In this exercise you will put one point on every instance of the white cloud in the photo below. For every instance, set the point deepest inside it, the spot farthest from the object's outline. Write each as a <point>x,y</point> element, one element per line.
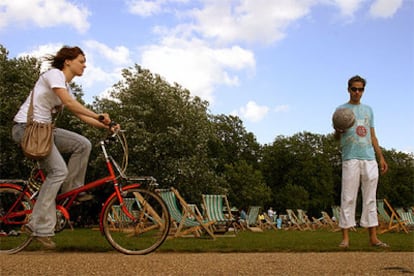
<point>252,112</point>
<point>384,8</point>
<point>99,74</point>
<point>144,7</point>
<point>348,7</point>
<point>199,52</point>
<point>120,55</point>
<point>188,56</point>
<point>250,20</point>
<point>195,65</point>
<point>95,75</point>
<point>43,13</point>
<point>41,51</point>
<point>147,8</point>
<point>103,66</point>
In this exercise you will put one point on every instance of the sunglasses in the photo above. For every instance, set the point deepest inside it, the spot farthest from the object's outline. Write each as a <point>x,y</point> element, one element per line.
<point>355,89</point>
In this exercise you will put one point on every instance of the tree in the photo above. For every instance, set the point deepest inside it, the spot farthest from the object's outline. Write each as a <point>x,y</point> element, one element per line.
<point>168,132</point>
<point>293,197</point>
<point>18,75</point>
<point>299,166</point>
<point>237,154</point>
<point>397,184</point>
<point>232,143</point>
<point>247,186</point>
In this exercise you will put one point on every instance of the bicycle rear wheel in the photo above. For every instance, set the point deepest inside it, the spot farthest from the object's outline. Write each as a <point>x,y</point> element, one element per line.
<point>15,209</point>
<point>143,234</point>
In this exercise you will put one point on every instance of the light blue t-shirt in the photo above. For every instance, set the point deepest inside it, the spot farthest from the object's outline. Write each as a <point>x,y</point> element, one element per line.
<point>356,141</point>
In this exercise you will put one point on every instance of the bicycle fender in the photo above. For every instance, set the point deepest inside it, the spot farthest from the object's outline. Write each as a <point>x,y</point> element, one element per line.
<point>12,181</point>
<point>11,185</point>
<point>101,216</point>
<point>63,211</point>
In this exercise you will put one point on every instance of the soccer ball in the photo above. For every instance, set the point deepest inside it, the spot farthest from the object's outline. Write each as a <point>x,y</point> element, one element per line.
<point>343,118</point>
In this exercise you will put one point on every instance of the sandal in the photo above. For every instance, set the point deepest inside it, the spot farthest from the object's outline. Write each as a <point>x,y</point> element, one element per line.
<point>380,244</point>
<point>344,245</point>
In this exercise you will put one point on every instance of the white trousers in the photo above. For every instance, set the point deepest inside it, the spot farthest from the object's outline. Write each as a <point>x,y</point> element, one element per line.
<point>354,173</point>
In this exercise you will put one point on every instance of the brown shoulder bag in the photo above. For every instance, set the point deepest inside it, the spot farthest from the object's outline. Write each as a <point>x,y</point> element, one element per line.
<point>38,137</point>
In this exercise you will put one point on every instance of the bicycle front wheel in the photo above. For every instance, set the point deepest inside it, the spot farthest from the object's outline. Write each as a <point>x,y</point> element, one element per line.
<point>15,209</point>
<point>145,231</point>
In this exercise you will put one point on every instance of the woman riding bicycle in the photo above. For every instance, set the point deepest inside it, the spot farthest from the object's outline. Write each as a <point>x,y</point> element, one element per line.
<point>52,92</point>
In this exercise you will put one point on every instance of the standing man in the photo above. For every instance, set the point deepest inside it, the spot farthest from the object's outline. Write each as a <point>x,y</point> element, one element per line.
<point>360,148</point>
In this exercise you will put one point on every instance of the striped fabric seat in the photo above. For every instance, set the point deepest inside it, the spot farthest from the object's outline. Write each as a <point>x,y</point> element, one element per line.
<point>217,208</point>
<point>185,220</point>
<point>406,216</point>
<point>389,222</point>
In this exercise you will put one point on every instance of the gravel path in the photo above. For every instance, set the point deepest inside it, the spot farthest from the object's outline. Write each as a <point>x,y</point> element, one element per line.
<point>114,263</point>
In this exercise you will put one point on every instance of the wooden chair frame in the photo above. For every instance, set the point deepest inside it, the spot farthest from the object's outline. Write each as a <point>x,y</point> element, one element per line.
<point>185,219</point>
<point>389,222</point>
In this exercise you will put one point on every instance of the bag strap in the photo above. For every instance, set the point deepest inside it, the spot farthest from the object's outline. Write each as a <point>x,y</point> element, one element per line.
<point>30,111</point>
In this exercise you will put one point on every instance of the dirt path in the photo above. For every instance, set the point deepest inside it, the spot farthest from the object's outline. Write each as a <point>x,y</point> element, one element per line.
<point>347,263</point>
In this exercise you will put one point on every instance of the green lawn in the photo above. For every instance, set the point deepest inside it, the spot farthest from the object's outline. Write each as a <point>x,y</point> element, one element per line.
<point>88,240</point>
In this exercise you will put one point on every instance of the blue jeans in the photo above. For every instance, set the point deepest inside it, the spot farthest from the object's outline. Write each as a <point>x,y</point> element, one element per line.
<point>58,175</point>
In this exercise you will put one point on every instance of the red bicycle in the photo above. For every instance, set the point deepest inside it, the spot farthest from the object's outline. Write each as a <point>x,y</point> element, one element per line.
<point>134,219</point>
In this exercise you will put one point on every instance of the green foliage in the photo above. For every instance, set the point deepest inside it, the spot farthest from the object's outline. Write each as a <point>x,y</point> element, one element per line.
<point>300,172</point>
<point>247,185</point>
<point>293,196</point>
<point>397,185</point>
<point>236,153</point>
<point>17,78</point>
<point>232,143</point>
<point>168,132</point>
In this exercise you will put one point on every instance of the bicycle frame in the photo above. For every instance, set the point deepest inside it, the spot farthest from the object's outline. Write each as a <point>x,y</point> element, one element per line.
<point>66,200</point>
<point>134,219</point>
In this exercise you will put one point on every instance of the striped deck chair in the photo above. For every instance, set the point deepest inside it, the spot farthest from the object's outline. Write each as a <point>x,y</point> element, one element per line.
<point>389,222</point>
<point>268,223</point>
<point>333,225</point>
<point>195,209</point>
<point>217,208</point>
<point>118,215</point>
<point>304,220</point>
<point>138,207</point>
<point>336,212</point>
<point>294,221</point>
<point>407,217</point>
<point>185,220</point>
<point>319,223</point>
<point>253,223</point>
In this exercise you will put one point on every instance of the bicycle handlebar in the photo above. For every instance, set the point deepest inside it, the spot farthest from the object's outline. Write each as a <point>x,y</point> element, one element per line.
<point>111,124</point>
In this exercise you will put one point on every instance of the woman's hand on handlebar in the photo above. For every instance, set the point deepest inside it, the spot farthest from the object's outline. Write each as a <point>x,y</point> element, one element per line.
<point>106,120</point>
<point>114,127</point>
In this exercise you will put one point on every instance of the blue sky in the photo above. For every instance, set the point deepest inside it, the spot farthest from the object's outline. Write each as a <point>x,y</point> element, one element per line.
<point>280,65</point>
